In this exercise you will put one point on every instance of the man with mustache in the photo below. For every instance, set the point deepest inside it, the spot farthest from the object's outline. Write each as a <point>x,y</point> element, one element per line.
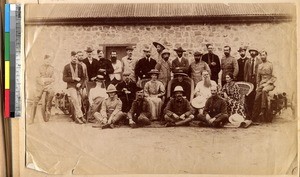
<point>164,68</point>
<point>241,62</point>
<point>105,67</point>
<point>116,76</point>
<point>250,73</point>
<point>215,111</point>
<point>178,111</point>
<point>145,65</point>
<point>140,113</point>
<point>213,62</point>
<point>196,68</point>
<point>228,65</point>
<point>129,63</point>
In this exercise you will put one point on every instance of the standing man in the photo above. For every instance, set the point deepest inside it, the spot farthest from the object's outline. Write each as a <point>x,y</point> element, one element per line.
<point>73,75</point>
<point>180,62</point>
<point>250,74</point>
<point>164,67</point>
<point>105,67</point>
<point>144,65</point>
<point>213,62</point>
<point>196,68</point>
<point>44,83</point>
<point>241,62</point>
<point>126,91</point>
<point>129,63</point>
<point>116,76</point>
<point>91,64</point>
<point>228,65</point>
<point>265,83</point>
<point>178,111</point>
<point>159,48</point>
<point>215,111</point>
<point>140,112</point>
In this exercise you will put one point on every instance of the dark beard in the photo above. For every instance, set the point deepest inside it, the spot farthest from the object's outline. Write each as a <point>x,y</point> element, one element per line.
<point>226,54</point>
<point>242,55</point>
<point>197,60</point>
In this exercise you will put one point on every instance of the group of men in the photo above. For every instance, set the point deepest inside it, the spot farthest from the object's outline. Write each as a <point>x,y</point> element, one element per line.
<point>136,90</point>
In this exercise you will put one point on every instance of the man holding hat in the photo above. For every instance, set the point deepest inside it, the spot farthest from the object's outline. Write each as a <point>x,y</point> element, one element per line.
<point>144,65</point>
<point>180,62</point>
<point>196,68</point>
<point>154,91</point>
<point>213,62</point>
<point>96,97</point>
<point>215,111</point>
<point>129,63</point>
<point>179,80</point>
<point>126,91</point>
<point>178,111</point>
<point>228,65</point>
<point>73,75</point>
<point>241,62</point>
<point>140,112</point>
<point>164,67</point>
<point>159,48</point>
<point>110,112</point>
<point>250,73</point>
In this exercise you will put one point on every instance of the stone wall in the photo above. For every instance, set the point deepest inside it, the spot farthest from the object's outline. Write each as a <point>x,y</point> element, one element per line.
<point>278,39</point>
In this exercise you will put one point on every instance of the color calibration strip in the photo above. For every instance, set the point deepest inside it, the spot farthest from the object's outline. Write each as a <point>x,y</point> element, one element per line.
<point>12,60</point>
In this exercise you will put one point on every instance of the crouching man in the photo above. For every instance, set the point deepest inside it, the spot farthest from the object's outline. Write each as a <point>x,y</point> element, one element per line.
<point>215,111</point>
<point>140,113</point>
<point>110,112</point>
<point>178,111</point>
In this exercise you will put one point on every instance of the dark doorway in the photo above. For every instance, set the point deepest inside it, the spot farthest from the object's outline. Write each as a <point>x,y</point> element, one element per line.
<point>120,49</point>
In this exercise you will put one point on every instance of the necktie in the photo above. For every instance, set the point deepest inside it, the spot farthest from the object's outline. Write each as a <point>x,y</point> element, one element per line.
<point>252,67</point>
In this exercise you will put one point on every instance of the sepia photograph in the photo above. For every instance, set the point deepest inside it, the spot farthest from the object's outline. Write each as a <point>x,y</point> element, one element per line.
<point>161,88</point>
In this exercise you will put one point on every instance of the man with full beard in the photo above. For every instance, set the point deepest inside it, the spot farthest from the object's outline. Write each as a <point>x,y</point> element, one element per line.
<point>116,76</point>
<point>241,62</point>
<point>228,65</point>
<point>197,67</point>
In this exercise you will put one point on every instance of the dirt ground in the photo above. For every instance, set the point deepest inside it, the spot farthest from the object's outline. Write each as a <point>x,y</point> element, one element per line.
<point>63,147</point>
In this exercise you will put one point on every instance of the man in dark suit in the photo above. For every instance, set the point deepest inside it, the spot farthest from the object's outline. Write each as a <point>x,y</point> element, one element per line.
<point>126,91</point>
<point>213,62</point>
<point>241,62</point>
<point>144,65</point>
<point>250,71</point>
<point>74,77</point>
<point>105,67</point>
<point>180,62</point>
<point>91,63</point>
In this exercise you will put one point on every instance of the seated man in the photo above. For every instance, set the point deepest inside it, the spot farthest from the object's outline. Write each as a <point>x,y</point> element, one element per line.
<point>110,112</point>
<point>96,97</point>
<point>140,113</point>
<point>215,111</point>
<point>126,91</point>
<point>180,81</point>
<point>202,91</point>
<point>178,111</point>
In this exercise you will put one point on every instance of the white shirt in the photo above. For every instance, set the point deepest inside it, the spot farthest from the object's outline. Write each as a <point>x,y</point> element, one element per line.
<point>203,91</point>
<point>118,68</point>
<point>97,92</point>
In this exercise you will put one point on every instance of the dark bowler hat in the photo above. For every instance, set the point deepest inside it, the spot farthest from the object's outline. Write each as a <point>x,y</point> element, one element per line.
<point>89,50</point>
<point>197,53</point>
<point>156,44</point>
<point>73,53</point>
<point>179,49</point>
<point>129,48</point>
<point>242,48</point>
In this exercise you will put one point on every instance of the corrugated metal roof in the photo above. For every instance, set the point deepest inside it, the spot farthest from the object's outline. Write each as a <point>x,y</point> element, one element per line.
<point>85,11</point>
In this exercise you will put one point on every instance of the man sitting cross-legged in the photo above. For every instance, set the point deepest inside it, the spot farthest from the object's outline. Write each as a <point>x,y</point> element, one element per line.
<point>178,110</point>
<point>140,113</point>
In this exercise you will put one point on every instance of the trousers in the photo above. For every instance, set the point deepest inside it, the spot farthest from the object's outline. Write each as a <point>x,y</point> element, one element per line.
<point>76,100</point>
